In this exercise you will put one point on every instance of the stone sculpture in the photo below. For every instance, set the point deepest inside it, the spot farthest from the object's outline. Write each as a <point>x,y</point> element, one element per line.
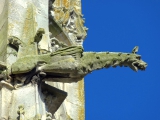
<point>43,47</point>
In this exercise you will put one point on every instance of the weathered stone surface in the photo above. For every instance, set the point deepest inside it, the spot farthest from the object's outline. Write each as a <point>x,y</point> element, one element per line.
<point>3,29</point>
<point>26,17</point>
<point>73,106</point>
<point>35,101</point>
<point>31,98</point>
<point>5,100</point>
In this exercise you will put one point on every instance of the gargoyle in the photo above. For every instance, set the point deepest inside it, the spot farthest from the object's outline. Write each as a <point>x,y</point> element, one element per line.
<point>65,64</point>
<point>71,64</point>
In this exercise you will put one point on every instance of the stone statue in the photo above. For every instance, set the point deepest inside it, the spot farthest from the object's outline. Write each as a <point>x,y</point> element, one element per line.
<point>42,58</point>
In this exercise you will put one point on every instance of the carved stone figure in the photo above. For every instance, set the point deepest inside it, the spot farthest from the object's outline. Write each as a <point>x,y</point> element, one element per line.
<point>42,59</point>
<point>71,64</point>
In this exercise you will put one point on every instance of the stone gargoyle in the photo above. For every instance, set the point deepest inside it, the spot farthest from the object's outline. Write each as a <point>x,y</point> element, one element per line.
<point>71,64</point>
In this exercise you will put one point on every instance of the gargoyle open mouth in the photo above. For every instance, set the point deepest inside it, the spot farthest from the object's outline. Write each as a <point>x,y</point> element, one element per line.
<point>138,65</point>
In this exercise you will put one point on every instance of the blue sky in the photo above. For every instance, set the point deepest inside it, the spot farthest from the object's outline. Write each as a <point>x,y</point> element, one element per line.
<point>120,93</point>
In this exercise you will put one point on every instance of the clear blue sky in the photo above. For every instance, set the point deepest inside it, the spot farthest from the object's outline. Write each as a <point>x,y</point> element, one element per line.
<point>120,93</point>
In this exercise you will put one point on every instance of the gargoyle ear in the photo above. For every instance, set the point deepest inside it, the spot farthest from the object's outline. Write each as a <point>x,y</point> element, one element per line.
<point>135,50</point>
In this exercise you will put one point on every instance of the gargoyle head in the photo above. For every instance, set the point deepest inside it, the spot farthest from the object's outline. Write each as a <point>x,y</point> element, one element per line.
<point>135,63</point>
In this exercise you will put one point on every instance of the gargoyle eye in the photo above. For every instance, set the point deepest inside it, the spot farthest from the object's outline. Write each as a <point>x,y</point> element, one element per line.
<point>138,57</point>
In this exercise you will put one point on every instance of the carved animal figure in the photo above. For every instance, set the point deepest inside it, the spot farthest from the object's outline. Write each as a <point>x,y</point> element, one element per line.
<point>71,64</point>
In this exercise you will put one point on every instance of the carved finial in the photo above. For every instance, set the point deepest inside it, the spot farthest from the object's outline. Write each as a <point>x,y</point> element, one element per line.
<point>21,112</point>
<point>39,35</point>
<point>54,44</point>
<point>135,50</point>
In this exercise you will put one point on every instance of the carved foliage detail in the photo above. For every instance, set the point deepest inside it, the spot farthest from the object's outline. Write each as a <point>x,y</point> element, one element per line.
<point>67,14</point>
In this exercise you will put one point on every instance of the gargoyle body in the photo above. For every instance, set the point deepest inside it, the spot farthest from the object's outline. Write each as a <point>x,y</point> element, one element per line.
<point>71,64</point>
